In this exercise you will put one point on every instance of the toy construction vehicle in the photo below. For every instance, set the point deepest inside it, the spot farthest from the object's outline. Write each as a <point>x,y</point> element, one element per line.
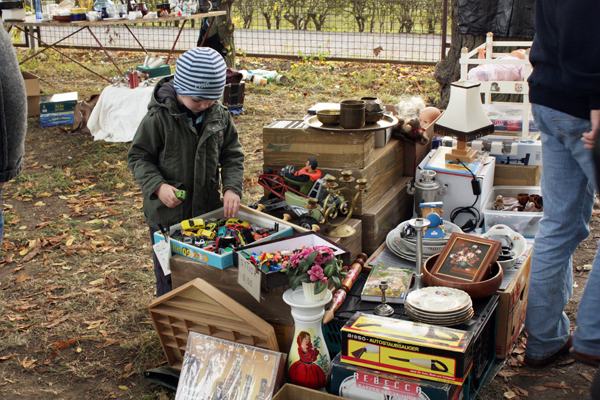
<point>305,199</point>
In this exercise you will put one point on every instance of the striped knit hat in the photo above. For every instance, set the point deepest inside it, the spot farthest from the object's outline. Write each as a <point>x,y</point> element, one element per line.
<point>200,73</point>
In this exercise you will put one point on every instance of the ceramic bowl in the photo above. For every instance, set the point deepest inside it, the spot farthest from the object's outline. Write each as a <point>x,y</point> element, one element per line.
<point>62,18</point>
<point>329,117</point>
<point>371,117</point>
<point>476,290</point>
<point>519,244</point>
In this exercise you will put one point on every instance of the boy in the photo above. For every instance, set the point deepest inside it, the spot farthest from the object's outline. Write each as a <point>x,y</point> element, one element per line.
<point>182,143</point>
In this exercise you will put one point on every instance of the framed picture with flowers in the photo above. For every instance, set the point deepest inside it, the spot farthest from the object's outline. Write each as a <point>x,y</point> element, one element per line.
<point>466,258</point>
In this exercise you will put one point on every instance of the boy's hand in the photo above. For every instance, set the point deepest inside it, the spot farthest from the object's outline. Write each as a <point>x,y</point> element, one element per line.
<point>231,203</point>
<point>166,194</point>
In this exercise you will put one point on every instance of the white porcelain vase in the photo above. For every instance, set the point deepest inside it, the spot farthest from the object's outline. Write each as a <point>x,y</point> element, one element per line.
<point>309,292</point>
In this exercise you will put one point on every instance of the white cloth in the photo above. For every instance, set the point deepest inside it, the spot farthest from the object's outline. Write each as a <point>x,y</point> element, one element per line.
<point>118,113</point>
<point>497,72</point>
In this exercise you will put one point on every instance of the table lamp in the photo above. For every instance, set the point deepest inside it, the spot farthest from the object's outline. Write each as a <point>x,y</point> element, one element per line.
<point>465,119</point>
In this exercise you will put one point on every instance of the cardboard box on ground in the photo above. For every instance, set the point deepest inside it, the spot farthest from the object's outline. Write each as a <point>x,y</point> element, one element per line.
<point>512,310</point>
<point>381,173</point>
<point>32,87</point>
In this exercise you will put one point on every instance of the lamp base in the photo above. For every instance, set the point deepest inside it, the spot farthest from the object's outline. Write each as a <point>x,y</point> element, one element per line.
<point>468,155</point>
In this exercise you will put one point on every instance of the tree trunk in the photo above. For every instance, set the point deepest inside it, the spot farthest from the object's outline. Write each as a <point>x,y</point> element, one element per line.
<point>224,26</point>
<point>448,70</point>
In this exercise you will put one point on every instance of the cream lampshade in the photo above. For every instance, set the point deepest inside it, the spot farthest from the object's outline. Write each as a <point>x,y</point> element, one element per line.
<point>464,118</point>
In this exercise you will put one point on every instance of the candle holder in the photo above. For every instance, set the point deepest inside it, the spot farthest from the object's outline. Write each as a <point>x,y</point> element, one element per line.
<point>336,202</point>
<point>383,309</point>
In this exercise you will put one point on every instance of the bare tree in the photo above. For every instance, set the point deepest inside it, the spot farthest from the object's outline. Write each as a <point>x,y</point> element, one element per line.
<point>246,10</point>
<point>295,14</point>
<point>272,10</point>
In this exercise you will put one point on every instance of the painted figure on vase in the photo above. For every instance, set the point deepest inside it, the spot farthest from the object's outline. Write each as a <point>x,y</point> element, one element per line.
<point>305,372</point>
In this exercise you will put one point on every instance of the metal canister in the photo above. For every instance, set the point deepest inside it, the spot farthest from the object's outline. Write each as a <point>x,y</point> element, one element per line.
<point>426,189</point>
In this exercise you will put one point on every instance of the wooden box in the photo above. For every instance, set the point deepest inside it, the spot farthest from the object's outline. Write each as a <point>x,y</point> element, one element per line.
<point>394,207</point>
<point>517,175</point>
<point>292,142</point>
<point>381,173</point>
<point>293,392</point>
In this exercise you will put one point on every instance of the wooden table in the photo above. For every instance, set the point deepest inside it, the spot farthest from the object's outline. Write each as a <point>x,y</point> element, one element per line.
<point>30,23</point>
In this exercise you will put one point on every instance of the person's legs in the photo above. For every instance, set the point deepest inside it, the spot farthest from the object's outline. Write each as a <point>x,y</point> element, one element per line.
<point>567,190</point>
<point>163,283</point>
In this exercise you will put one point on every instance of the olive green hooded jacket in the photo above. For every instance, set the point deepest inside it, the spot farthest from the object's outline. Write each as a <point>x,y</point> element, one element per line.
<point>167,149</point>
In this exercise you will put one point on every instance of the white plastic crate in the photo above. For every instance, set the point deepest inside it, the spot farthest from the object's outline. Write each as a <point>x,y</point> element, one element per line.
<point>526,223</point>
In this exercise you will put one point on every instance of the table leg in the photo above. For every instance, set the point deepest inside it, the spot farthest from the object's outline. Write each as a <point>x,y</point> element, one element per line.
<point>136,39</point>
<point>64,55</point>
<point>176,39</point>
<point>27,34</point>
<point>207,31</point>
<point>105,52</point>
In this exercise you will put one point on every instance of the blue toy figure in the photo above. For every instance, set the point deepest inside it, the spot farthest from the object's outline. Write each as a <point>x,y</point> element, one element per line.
<point>432,211</point>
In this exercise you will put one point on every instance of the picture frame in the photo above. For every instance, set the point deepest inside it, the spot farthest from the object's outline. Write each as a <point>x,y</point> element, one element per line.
<point>466,258</point>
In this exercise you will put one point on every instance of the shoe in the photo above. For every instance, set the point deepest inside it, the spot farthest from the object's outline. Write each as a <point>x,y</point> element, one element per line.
<point>530,362</point>
<point>593,361</point>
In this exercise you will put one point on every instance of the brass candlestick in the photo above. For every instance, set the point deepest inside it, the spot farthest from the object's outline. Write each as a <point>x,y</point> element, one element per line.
<point>336,202</point>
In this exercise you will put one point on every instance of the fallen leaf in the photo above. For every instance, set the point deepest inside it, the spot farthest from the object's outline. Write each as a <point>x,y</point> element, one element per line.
<point>539,388</point>
<point>520,392</point>
<point>586,376</point>
<point>39,204</point>
<point>97,282</point>
<point>128,367</point>
<point>70,241</point>
<point>120,185</point>
<point>63,344</point>
<point>23,252</point>
<point>21,278</point>
<point>29,256</point>
<point>123,387</point>
<point>510,394</point>
<point>4,358</point>
<point>507,374</point>
<point>557,385</point>
<point>27,364</point>
<point>9,258</point>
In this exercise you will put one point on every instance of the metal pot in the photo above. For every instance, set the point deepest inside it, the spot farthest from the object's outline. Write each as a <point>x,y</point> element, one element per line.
<point>425,190</point>
<point>352,114</point>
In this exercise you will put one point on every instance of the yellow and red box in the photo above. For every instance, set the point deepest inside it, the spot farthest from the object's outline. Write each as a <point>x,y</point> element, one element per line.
<point>409,348</point>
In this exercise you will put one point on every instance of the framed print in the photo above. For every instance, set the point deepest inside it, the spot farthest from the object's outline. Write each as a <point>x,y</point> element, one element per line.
<point>466,258</point>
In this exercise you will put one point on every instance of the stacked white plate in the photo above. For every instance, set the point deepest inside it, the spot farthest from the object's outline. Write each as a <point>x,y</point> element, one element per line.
<point>406,247</point>
<point>437,305</point>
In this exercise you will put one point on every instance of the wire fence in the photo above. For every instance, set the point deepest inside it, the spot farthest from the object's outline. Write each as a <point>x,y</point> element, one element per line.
<point>367,30</point>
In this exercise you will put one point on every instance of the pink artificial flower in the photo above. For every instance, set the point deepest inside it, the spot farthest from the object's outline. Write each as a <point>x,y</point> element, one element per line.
<point>345,268</point>
<point>324,280</point>
<point>325,254</point>
<point>316,273</point>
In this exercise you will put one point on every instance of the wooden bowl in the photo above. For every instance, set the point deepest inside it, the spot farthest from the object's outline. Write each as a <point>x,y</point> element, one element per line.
<point>329,117</point>
<point>476,290</point>
<point>61,18</point>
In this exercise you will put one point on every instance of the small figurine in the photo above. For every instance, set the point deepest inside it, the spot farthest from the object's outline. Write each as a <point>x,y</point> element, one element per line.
<point>432,211</point>
<point>499,203</point>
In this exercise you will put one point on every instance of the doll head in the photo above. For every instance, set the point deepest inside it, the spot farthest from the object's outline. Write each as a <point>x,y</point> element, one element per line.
<point>428,115</point>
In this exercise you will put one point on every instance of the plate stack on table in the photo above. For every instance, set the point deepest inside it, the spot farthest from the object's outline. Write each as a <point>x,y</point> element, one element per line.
<point>438,305</point>
<point>405,247</point>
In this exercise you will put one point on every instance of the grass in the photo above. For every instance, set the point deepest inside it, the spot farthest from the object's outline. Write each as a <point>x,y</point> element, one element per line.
<point>75,263</point>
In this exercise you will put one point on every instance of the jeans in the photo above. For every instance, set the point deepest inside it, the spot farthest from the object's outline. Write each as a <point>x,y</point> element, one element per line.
<point>1,219</point>
<point>568,191</point>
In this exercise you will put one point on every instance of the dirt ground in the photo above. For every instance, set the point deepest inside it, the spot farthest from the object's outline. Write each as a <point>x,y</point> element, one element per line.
<point>76,278</point>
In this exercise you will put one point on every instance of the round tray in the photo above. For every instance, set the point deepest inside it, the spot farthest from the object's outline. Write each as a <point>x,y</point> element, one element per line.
<point>387,121</point>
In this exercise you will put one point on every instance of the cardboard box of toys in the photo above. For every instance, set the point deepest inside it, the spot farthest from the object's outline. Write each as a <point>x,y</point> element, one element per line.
<point>32,87</point>
<point>407,348</point>
<point>517,175</point>
<point>273,227</point>
<point>359,383</point>
<point>512,309</point>
<point>292,142</point>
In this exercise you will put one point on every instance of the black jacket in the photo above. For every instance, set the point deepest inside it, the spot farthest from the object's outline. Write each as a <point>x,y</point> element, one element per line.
<point>566,56</point>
